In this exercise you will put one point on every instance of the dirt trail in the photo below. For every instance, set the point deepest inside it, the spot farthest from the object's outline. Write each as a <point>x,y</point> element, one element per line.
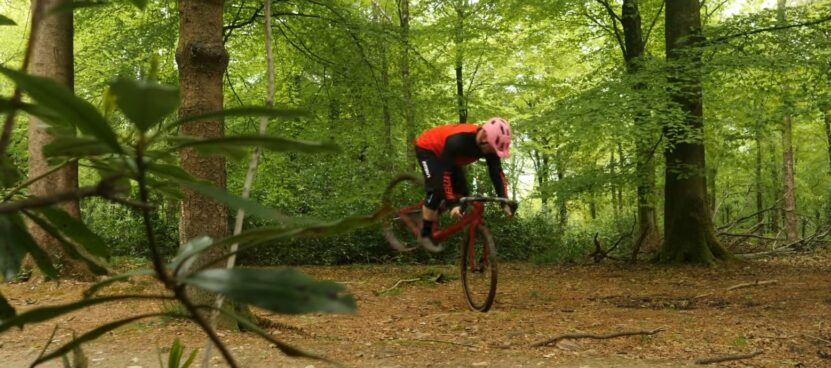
<point>425,324</point>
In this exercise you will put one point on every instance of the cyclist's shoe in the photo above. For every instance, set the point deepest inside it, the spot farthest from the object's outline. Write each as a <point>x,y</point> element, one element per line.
<point>428,244</point>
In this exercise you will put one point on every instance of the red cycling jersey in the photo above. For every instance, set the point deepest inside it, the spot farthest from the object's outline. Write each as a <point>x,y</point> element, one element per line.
<point>455,145</point>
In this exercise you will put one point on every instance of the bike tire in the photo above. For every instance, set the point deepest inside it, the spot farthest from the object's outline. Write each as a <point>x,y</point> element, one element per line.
<point>479,273</point>
<point>398,234</point>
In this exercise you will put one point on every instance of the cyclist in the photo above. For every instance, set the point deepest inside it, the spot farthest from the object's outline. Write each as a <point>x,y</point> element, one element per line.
<point>443,150</point>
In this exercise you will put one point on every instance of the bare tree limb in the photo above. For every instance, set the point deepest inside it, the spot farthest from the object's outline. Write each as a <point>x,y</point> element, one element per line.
<point>575,336</point>
<point>750,284</point>
<point>615,19</point>
<point>654,21</point>
<point>768,29</point>
<point>398,284</point>
<point>106,189</point>
<point>727,358</point>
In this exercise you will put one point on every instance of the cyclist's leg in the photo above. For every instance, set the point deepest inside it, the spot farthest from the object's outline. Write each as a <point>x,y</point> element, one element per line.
<point>459,183</point>
<point>432,168</point>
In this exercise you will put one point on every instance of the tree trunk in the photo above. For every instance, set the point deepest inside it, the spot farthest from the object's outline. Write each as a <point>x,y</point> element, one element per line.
<point>458,39</point>
<point>614,187</point>
<point>827,115</point>
<point>774,187</point>
<point>562,201</point>
<point>620,182</point>
<point>52,57</point>
<point>645,164</point>
<point>202,59</point>
<point>409,110</point>
<point>788,177</point>
<point>389,153</point>
<point>760,216</point>
<point>541,169</point>
<point>688,227</point>
<point>712,174</point>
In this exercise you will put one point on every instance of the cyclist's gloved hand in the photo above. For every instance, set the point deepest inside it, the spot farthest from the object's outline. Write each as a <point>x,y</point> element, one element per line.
<point>508,209</point>
<point>456,211</point>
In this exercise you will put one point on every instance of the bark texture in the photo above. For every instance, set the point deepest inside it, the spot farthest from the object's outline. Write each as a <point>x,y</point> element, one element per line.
<point>51,57</point>
<point>689,234</point>
<point>202,59</point>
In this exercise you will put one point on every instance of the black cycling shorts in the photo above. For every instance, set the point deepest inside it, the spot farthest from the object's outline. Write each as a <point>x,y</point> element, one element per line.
<point>440,182</point>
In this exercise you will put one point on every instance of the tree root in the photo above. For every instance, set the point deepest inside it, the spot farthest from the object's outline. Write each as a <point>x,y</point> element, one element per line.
<point>574,336</point>
<point>727,358</point>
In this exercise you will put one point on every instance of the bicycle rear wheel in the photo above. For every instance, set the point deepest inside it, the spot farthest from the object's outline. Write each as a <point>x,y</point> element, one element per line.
<point>400,230</point>
<point>479,270</point>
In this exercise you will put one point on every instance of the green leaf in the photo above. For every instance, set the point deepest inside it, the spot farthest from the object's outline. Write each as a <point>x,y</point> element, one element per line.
<point>5,21</point>
<point>73,146</point>
<point>145,104</point>
<point>56,97</point>
<point>6,310</point>
<point>175,356</point>
<point>283,291</point>
<point>46,313</point>
<point>141,4</point>
<point>75,230</point>
<point>191,248</point>
<point>190,359</point>
<point>236,202</point>
<point>11,250</point>
<point>247,111</point>
<point>276,144</point>
<point>232,152</point>
<point>21,235</point>
<point>170,171</point>
<point>68,247</point>
<point>90,292</point>
<point>92,335</point>
<point>9,173</point>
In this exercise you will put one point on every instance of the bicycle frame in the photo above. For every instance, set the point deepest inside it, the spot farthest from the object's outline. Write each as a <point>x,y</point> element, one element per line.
<point>472,218</point>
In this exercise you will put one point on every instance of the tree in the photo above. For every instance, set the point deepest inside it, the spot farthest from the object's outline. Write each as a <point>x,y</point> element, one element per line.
<point>461,8</point>
<point>789,187</point>
<point>406,80</point>
<point>52,57</point>
<point>202,59</point>
<point>689,236</point>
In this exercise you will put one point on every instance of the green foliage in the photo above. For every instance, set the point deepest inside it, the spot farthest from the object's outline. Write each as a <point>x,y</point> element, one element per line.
<point>177,350</point>
<point>144,103</point>
<point>283,291</point>
<point>6,21</point>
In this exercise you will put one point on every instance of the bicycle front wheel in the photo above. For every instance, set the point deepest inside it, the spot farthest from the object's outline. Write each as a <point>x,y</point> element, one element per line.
<point>479,269</point>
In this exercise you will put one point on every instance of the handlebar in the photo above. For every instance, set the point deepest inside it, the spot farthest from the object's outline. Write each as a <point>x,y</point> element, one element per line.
<point>513,204</point>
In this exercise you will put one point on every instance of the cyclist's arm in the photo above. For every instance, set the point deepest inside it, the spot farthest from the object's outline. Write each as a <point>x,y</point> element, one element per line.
<point>456,145</point>
<point>500,184</point>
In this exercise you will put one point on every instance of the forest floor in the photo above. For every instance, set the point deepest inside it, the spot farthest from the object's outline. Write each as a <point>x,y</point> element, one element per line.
<point>427,324</point>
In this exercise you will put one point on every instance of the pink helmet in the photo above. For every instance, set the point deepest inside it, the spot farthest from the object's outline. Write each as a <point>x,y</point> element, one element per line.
<point>499,135</point>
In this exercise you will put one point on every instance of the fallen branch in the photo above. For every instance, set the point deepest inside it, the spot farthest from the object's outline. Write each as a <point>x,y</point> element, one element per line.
<point>575,336</point>
<point>817,339</point>
<point>727,358</point>
<point>442,342</point>
<point>749,284</point>
<point>398,284</point>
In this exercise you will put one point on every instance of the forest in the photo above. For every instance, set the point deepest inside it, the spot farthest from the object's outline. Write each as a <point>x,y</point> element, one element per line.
<point>235,173</point>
